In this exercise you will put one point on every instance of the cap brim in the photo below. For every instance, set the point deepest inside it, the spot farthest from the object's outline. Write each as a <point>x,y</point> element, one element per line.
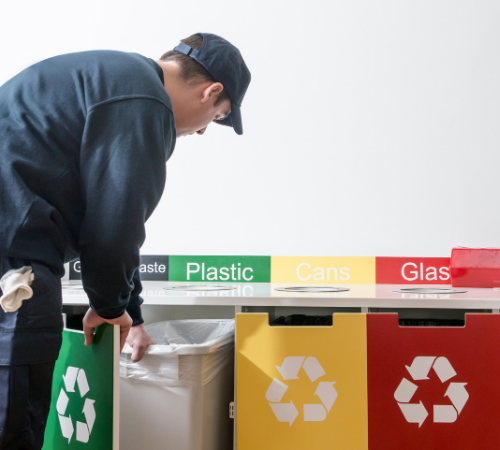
<point>233,119</point>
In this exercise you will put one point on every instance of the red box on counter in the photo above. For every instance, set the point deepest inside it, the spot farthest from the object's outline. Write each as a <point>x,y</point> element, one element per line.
<point>475,267</point>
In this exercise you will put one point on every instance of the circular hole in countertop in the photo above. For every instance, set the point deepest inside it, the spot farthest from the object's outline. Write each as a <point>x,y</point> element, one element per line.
<point>200,288</point>
<point>312,289</point>
<point>429,291</point>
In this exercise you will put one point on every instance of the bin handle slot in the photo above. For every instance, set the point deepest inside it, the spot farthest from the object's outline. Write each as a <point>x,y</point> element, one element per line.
<point>303,320</point>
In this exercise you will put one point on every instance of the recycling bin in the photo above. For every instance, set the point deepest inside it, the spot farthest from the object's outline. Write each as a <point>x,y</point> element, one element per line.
<point>301,387</point>
<point>177,397</point>
<point>433,388</point>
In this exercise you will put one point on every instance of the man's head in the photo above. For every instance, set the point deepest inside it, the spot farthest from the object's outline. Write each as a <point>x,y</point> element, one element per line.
<point>206,79</point>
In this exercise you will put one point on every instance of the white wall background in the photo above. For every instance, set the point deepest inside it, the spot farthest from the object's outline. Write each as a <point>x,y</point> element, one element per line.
<point>372,127</point>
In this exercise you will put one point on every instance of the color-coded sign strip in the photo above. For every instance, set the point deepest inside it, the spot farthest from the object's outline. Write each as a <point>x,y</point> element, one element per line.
<point>291,269</point>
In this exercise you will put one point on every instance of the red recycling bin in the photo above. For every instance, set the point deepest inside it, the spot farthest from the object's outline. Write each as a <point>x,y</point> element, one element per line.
<point>475,267</point>
<point>433,387</point>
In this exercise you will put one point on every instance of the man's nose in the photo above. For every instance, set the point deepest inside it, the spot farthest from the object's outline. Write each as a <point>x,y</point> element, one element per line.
<point>200,132</point>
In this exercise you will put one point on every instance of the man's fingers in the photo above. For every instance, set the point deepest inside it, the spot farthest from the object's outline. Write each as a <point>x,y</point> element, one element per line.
<point>123,337</point>
<point>138,352</point>
<point>139,339</point>
<point>90,321</point>
<point>125,323</point>
<point>125,326</point>
<point>89,334</point>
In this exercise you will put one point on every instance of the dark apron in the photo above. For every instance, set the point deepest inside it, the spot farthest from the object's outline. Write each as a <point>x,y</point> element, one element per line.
<point>33,333</point>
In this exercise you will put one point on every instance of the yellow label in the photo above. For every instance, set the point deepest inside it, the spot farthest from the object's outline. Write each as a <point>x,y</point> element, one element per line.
<point>301,387</point>
<point>321,270</point>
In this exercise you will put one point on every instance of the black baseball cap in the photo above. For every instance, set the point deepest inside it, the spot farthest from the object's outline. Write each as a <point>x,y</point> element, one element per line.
<point>224,62</point>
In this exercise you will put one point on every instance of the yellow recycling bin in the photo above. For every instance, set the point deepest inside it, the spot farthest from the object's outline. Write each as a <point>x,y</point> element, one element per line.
<point>301,387</point>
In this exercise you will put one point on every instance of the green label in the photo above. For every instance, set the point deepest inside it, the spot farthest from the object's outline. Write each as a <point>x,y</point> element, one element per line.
<point>240,269</point>
<point>81,411</point>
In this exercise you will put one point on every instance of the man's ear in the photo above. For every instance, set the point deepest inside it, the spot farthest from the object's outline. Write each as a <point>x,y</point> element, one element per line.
<point>213,90</point>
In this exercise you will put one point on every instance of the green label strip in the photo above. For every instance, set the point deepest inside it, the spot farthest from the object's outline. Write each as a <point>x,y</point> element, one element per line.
<point>241,269</point>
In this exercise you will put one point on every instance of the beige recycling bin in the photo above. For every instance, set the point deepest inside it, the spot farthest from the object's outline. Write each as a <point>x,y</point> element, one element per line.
<point>177,397</point>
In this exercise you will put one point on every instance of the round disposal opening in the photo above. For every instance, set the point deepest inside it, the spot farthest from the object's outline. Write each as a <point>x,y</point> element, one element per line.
<point>200,288</point>
<point>312,289</point>
<point>429,291</point>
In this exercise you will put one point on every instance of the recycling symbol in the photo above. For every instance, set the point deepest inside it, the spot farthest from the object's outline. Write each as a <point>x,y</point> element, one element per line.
<point>419,370</point>
<point>289,370</point>
<point>83,430</point>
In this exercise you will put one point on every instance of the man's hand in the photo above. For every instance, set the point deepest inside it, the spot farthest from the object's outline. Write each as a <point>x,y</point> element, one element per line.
<point>92,320</point>
<point>139,339</point>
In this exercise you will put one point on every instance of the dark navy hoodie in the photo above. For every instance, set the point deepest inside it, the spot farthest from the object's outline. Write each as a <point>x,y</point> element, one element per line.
<point>84,138</point>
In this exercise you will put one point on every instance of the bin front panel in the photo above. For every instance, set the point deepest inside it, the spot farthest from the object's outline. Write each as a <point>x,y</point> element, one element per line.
<point>433,387</point>
<point>82,408</point>
<point>301,387</point>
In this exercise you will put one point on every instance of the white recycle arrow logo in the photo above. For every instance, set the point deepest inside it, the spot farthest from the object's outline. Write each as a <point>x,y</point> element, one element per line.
<point>419,370</point>
<point>289,370</point>
<point>83,430</point>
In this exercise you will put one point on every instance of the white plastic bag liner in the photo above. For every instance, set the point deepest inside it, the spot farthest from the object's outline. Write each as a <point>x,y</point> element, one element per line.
<point>188,353</point>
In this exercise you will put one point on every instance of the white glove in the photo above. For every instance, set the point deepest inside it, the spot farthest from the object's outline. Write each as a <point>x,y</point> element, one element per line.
<point>15,285</point>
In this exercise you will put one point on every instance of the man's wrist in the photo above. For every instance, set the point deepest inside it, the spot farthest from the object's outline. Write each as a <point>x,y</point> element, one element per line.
<point>136,315</point>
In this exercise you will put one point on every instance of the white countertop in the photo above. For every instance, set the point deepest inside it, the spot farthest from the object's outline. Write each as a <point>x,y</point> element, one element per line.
<point>264,294</point>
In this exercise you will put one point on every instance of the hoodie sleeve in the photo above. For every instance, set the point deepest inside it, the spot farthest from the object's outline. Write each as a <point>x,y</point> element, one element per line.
<point>135,302</point>
<point>124,150</point>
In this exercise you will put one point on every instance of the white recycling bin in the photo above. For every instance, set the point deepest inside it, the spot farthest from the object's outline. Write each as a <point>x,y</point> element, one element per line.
<point>177,397</point>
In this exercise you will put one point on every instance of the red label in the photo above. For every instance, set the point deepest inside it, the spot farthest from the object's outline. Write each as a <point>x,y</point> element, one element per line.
<point>433,387</point>
<point>413,270</point>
